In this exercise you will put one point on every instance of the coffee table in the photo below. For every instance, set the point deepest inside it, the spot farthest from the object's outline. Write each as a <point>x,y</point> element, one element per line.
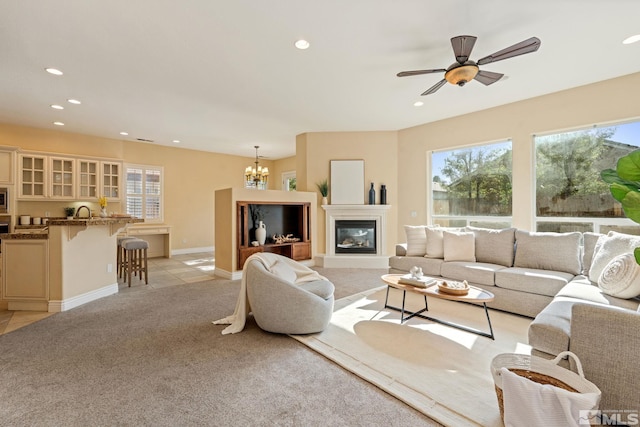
<point>475,295</point>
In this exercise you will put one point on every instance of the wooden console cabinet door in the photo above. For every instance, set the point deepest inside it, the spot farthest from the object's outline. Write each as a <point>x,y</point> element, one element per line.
<point>244,253</point>
<point>301,250</point>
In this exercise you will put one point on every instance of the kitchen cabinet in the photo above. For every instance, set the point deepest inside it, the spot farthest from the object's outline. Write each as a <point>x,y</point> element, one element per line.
<point>33,170</point>
<point>111,172</point>
<point>62,178</point>
<point>7,166</point>
<point>88,179</point>
<point>25,273</point>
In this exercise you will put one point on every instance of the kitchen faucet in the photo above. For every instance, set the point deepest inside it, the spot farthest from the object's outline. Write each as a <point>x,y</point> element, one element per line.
<point>83,206</point>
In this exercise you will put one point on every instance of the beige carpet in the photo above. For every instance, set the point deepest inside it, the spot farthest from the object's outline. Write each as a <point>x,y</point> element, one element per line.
<point>438,370</point>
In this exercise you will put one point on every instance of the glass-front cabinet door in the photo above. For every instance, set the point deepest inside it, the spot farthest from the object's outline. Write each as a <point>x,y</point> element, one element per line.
<point>111,180</point>
<point>88,179</point>
<point>62,173</point>
<point>32,176</point>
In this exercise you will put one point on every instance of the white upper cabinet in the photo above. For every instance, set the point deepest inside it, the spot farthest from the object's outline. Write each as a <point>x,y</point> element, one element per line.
<point>33,172</point>
<point>88,182</point>
<point>62,178</point>
<point>111,180</point>
<point>7,166</point>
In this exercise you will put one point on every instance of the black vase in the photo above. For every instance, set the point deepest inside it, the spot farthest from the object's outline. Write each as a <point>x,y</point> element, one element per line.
<point>383,194</point>
<point>372,195</point>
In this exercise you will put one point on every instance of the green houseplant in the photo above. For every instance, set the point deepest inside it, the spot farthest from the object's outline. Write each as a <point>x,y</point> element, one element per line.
<point>624,184</point>
<point>69,211</point>
<point>323,188</point>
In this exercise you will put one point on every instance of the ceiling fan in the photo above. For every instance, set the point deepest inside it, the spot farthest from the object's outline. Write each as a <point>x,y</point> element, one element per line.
<point>464,70</point>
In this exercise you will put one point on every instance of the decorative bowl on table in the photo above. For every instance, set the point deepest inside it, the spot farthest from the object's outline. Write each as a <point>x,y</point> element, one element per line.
<point>453,288</point>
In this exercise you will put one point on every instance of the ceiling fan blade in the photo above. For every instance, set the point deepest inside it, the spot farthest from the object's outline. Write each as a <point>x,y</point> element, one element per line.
<point>526,46</point>
<point>462,47</point>
<point>434,88</point>
<point>418,72</point>
<point>487,77</point>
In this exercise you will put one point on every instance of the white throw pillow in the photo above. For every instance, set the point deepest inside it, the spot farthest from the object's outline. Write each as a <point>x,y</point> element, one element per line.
<point>609,247</point>
<point>621,277</point>
<point>435,248</point>
<point>416,240</point>
<point>284,271</point>
<point>460,246</point>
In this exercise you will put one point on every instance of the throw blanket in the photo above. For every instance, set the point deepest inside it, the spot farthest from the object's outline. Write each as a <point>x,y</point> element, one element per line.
<point>530,403</point>
<point>237,320</point>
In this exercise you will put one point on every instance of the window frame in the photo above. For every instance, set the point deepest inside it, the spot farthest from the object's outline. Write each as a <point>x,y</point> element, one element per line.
<point>144,195</point>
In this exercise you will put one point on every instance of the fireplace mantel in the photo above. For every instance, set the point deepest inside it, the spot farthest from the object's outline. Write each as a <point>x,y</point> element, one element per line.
<point>356,212</point>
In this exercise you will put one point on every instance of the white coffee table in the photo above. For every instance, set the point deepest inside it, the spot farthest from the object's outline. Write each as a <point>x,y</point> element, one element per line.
<point>475,295</point>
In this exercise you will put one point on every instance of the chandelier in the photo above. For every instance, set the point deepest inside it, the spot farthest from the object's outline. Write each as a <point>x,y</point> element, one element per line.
<point>256,176</point>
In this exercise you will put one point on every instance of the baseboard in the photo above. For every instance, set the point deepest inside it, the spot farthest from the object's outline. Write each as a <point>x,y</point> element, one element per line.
<point>224,274</point>
<point>77,301</point>
<point>192,250</point>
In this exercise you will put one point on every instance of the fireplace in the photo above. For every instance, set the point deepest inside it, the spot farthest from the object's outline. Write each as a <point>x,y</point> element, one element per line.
<point>355,236</point>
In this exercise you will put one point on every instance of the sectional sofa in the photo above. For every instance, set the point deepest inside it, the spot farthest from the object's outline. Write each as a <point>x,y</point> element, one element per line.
<point>543,276</point>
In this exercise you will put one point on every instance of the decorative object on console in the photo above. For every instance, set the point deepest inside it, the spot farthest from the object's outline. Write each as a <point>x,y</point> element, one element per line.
<point>454,288</point>
<point>261,233</point>
<point>347,182</point>
<point>279,239</point>
<point>383,194</point>
<point>372,195</point>
<point>256,177</point>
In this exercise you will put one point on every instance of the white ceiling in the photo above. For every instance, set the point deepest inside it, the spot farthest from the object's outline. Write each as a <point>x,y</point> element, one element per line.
<point>224,76</point>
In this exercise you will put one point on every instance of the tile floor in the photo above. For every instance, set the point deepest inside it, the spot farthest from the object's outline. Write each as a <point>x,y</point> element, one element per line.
<point>163,272</point>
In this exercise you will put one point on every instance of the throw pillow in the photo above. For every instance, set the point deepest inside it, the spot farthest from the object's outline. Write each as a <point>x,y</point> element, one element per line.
<point>435,248</point>
<point>416,240</point>
<point>609,247</point>
<point>494,246</point>
<point>540,250</point>
<point>284,271</point>
<point>459,246</point>
<point>621,277</point>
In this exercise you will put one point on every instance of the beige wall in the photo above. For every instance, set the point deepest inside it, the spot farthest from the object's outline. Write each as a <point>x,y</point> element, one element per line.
<point>599,103</point>
<point>191,177</point>
<point>377,149</point>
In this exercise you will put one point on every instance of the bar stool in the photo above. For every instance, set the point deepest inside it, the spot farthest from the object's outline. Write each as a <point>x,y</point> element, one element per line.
<point>120,258</point>
<point>135,254</point>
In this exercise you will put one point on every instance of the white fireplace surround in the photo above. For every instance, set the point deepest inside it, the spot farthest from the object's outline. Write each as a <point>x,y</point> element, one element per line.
<point>334,213</point>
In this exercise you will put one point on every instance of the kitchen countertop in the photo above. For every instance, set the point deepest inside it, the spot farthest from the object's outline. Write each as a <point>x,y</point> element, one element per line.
<point>41,232</point>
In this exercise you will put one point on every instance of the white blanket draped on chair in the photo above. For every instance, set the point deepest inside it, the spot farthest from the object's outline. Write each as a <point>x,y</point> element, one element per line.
<point>237,320</point>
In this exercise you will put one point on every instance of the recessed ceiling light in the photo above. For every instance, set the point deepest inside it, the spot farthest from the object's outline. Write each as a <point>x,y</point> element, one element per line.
<point>57,107</point>
<point>54,71</point>
<point>302,44</point>
<point>176,141</point>
<point>418,104</point>
<point>74,101</point>
<point>58,123</point>
<point>631,39</point>
<point>124,133</point>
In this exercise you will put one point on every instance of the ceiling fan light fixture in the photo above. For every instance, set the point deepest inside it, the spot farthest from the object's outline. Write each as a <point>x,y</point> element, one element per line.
<point>461,74</point>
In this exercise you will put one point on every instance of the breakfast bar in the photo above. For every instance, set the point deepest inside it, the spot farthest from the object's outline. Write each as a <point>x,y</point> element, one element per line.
<point>65,264</point>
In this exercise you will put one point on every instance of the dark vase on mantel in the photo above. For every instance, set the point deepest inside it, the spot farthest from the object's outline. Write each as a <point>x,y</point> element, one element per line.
<point>372,195</point>
<point>383,194</point>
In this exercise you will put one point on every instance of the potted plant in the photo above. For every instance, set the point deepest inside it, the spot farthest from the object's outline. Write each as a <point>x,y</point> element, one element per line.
<point>323,188</point>
<point>624,184</point>
<point>70,211</point>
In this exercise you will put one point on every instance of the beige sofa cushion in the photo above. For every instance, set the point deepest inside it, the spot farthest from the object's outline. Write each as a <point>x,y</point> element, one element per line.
<point>416,240</point>
<point>473,272</point>
<point>608,247</point>
<point>435,243</point>
<point>589,241</point>
<point>430,266</point>
<point>540,251</point>
<point>494,246</point>
<point>535,281</point>
<point>459,246</point>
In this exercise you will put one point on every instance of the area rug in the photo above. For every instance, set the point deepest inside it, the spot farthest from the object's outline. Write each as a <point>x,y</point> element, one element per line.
<point>441,371</point>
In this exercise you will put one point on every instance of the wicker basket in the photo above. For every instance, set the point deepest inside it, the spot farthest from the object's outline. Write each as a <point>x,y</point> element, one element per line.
<point>542,371</point>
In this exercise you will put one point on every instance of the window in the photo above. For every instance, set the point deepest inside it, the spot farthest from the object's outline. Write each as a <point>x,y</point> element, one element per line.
<point>570,195</point>
<point>472,182</point>
<point>289,181</point>
<point>144,192</point>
